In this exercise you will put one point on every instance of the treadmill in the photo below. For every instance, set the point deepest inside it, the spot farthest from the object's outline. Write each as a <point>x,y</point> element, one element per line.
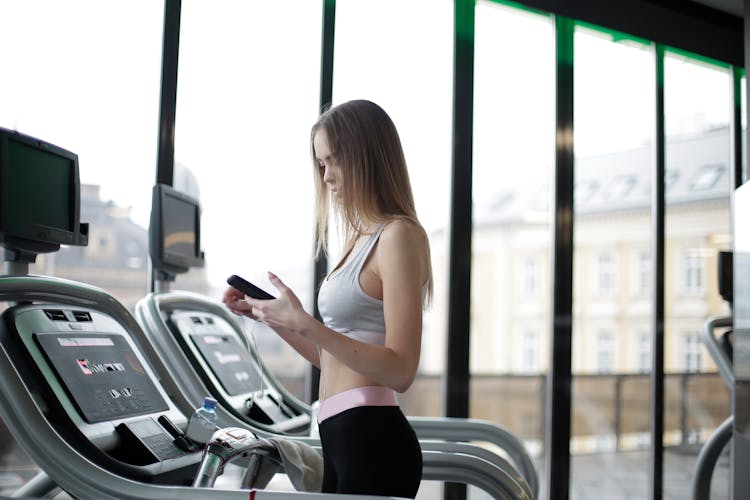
<point>184,379</point>
<point>81,399</point>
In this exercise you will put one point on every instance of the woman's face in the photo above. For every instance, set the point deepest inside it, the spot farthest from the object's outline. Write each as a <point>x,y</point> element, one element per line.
<point>327,163</point>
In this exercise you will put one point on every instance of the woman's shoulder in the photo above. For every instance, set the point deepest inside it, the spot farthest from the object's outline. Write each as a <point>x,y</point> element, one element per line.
<point>405,244</point>
<point>403,231</point>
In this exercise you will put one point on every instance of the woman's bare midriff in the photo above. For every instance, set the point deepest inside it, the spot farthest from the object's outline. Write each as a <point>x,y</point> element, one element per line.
<point>336,377</point>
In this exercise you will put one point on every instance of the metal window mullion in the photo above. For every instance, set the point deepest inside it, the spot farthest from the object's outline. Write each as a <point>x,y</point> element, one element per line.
<point>656,406</point>
<point>326,52</point>
<point>320,264</point>
<point>457,377</point>
<point>735,127</point>
<point>168,102</point>
<point>167,106</point>
<point>559,373</point>
<point>456,382</point>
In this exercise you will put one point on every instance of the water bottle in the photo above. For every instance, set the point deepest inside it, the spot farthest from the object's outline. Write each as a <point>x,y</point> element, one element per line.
<point>203,422</point>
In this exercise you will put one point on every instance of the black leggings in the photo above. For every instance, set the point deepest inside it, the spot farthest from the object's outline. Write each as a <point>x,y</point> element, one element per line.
<point>370,450</point>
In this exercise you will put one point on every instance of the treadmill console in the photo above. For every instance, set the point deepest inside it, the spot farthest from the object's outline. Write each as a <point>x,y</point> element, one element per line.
<point>96,387</point>
<point>229,361</point>
<point>101,375</point>
<point>229,370</point>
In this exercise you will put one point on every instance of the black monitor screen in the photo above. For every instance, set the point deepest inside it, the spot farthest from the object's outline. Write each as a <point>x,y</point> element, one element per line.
<point>175,231</point>
<point>39,195</point>
<point>179,221</point>
<point>43,176</point>
<point>102,375</point>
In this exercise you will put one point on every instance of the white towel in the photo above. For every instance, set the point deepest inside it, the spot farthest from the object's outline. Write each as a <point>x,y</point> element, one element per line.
<point>302,463</point>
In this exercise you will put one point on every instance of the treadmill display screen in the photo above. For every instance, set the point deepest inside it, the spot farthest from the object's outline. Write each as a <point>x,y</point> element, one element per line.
<point>102,375</point>
<point>230,362</point>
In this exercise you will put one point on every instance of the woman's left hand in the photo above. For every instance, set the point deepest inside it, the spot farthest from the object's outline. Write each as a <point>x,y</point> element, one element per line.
<point>235,302</point>
<point>286,311</point>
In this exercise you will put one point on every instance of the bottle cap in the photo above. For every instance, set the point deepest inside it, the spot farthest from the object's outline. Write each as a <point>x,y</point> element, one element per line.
<point>209,403</point>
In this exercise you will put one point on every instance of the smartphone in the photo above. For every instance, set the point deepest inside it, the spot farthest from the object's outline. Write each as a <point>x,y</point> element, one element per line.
<point>248,288</point>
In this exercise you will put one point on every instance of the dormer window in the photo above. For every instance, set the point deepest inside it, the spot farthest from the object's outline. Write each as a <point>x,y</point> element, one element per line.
<point>620,186</point>
<point>584,190</point>
<point>707,176</point>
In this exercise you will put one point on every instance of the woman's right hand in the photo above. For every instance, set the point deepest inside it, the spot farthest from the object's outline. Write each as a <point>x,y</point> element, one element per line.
<point>235,302</point>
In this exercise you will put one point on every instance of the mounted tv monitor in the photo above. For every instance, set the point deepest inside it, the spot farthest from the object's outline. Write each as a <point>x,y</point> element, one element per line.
<point>175,231</point>
<point>39,196</point>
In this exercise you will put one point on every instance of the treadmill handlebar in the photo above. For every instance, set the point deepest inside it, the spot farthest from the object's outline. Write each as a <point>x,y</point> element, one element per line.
<point>30,288</point>
<point>719,355</point>
<point>225,446</point>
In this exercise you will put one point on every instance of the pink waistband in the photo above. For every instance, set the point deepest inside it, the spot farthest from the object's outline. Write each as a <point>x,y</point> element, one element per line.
<point>359,396</point>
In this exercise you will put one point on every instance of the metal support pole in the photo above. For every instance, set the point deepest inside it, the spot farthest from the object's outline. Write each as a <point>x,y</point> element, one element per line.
<point>559,375</point>
<point>657,240</point>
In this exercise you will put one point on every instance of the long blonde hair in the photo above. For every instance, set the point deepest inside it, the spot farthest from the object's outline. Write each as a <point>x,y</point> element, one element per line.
<point>374,177</point>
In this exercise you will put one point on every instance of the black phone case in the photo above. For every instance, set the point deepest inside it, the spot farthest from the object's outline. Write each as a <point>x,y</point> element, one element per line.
<point>248,288</point>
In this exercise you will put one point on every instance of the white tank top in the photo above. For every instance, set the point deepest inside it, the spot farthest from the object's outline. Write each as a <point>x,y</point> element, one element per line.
<point>345,307</point>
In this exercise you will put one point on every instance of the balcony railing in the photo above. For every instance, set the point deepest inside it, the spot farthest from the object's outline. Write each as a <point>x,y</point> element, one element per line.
<point>610,412</point>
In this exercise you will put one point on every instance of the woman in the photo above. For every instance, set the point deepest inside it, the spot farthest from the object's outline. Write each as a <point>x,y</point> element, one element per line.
<point>368,345</point>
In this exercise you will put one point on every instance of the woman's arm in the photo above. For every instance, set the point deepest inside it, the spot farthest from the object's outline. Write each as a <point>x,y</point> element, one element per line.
<point>235,302</point>
<point>399,269</point>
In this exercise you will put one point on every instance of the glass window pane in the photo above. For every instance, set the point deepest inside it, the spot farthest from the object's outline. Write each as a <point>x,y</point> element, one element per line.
<point>248,91</point>
<point>514,119</point>
<point>101,101</point>
<point>697,119</point>
<point>614,114</point>
<point>379,46</point>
